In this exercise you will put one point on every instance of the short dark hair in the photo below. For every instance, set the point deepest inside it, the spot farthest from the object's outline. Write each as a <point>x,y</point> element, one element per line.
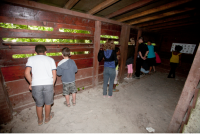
<point>178,48</point>
<point>141,38</point>
<point>116,49</point>
<point>40,49</point>
<point>66,52</point>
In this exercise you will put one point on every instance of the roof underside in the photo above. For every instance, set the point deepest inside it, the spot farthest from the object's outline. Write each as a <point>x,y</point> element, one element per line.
<point>153,15</point>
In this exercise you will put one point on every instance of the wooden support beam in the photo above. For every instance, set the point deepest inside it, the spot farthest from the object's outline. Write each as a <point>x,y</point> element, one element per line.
<point>33,4</point>
<point>136,50</point>
<point>172,26</point>
<point>159,16</point>
<point>97,37</point>
<point>101,6</point>
<point>186,95</point>
<point>70,4</point>
<point>174,18</point>
<point>130,7</point>
<point>154,10</point>
<point>185,21</point>
<point>124,39</point>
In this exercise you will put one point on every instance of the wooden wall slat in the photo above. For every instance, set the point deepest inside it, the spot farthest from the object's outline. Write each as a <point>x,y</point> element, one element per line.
<point>110,32</point>
<point>101,68</point>
<point>20,86</point>
<point>35,14</point>
<point>11,73</point>
<point>100,78</point>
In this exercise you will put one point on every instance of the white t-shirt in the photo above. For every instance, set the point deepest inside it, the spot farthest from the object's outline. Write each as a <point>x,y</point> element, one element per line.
<point>42,67</point>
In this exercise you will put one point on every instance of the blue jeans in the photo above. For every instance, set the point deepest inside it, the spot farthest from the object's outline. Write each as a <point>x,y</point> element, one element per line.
<point>108,73</point>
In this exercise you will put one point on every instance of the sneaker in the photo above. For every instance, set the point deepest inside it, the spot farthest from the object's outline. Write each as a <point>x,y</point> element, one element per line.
<point>134,76</point>
<point>126,78</point>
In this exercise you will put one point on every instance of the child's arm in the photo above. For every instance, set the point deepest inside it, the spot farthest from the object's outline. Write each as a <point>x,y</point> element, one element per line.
<point>28,76</point>
<point>100,55</point>
<point>75,68</point>
<point>54,76</point>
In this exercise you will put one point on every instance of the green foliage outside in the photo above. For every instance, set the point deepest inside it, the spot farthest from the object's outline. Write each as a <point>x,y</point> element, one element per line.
<point>153,44</point>
<point>74,31</point>
<point>46,40</point>
<point>103,42</point>
<point>109,36</point>
<point>27,27</point>
<point>17,56</point>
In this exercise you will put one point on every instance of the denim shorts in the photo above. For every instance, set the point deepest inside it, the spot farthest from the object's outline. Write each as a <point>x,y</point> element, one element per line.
<point>69,88</point>
<point>43,94</point>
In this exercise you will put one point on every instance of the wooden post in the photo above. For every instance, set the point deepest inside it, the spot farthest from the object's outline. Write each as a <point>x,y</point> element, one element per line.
<point>97,34</point>
<point>136,50</point>
<point>186,95</point>
<point>124,38</point>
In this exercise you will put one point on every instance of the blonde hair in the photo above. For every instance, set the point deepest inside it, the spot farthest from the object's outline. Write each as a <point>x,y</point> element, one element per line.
<point>109,45</point>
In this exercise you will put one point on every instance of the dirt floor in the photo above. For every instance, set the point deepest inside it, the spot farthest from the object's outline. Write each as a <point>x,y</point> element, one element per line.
<point>140,103</point>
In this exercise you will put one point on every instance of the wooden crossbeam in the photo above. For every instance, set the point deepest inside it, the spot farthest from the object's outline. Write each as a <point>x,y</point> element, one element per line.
<point>101,6</point>
<point>178,25</point>
<point>159,16</point>
<point>174,18</point>
<point>154,10</point>
<point>70,4</point>
<point>130,7</point>
<point>185,21</point>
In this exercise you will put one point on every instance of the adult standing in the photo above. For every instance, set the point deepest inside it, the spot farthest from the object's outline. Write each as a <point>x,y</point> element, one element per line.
<point>42,81</point>
<point>151,58</point>
<point>109,56</point>
<point>142,53</point>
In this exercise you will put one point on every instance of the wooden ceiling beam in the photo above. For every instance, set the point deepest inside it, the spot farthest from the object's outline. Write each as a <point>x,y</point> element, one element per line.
<point>70,4</point>
<point>159,16</point>
<point>130,7</point>
<point>174,18</point>
<point>154,10</point>
<point>101,6</point>
<point>172,26</point>
<point>173,23</point>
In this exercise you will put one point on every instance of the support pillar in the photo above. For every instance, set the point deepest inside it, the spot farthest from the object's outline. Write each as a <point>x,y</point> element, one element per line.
<point>124,38</point>
<point>97,34</point>
<point>136,50</point>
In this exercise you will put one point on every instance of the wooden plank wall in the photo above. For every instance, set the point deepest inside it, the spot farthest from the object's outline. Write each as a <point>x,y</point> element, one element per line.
<point>108,29</point>
<point>13,69</point>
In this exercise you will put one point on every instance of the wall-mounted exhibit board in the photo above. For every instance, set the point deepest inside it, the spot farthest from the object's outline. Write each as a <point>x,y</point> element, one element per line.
<point>187,48</point>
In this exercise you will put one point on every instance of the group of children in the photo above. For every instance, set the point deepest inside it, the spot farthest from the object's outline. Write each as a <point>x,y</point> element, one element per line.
<point>43,78</point>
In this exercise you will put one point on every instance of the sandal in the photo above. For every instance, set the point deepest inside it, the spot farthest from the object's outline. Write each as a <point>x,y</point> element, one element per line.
<point>49,118</point>
<point>68,105</point>
<point>73,102</point>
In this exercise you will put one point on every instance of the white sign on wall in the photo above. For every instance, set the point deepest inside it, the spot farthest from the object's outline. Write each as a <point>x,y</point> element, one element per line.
<point>187,48</point>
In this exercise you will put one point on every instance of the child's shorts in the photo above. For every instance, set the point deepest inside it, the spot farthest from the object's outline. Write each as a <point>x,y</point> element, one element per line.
<point>69,88</point>
<point>130,68</point>
<point>43,94</point>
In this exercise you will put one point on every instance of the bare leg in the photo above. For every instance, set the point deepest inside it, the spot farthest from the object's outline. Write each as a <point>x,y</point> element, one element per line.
<point>39,112</point>
<point>114,86</point>
<point>47,111</point>
<point>131,75</point>
<point>154,68</point>
<point>74,98</point>
<point>150,69</point>
<point>67,100</point>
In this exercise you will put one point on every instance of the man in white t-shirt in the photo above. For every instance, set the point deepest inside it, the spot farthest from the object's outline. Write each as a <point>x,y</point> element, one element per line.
<point>43,70</point>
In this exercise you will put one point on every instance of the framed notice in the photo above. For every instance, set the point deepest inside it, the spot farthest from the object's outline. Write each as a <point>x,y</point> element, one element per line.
<point>187,48</point>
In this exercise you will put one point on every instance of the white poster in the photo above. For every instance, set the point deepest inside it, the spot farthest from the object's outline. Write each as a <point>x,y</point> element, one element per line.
<point>187,48</point>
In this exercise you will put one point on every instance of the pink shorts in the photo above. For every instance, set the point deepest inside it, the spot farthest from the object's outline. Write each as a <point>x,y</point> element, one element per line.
<point>130,68</point>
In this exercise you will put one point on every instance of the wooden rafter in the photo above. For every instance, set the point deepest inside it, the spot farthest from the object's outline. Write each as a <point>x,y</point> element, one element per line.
<point>101,6</point>
<point>159,16</point>
<point>70,4</point>
<point>164,20</point>
<point>154,10</point>
<point>130,7</point>
<point>173,23</point>
<point>172,26</point>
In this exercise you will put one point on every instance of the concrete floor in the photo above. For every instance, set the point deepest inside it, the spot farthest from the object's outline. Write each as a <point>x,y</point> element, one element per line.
<point>140,103</point>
